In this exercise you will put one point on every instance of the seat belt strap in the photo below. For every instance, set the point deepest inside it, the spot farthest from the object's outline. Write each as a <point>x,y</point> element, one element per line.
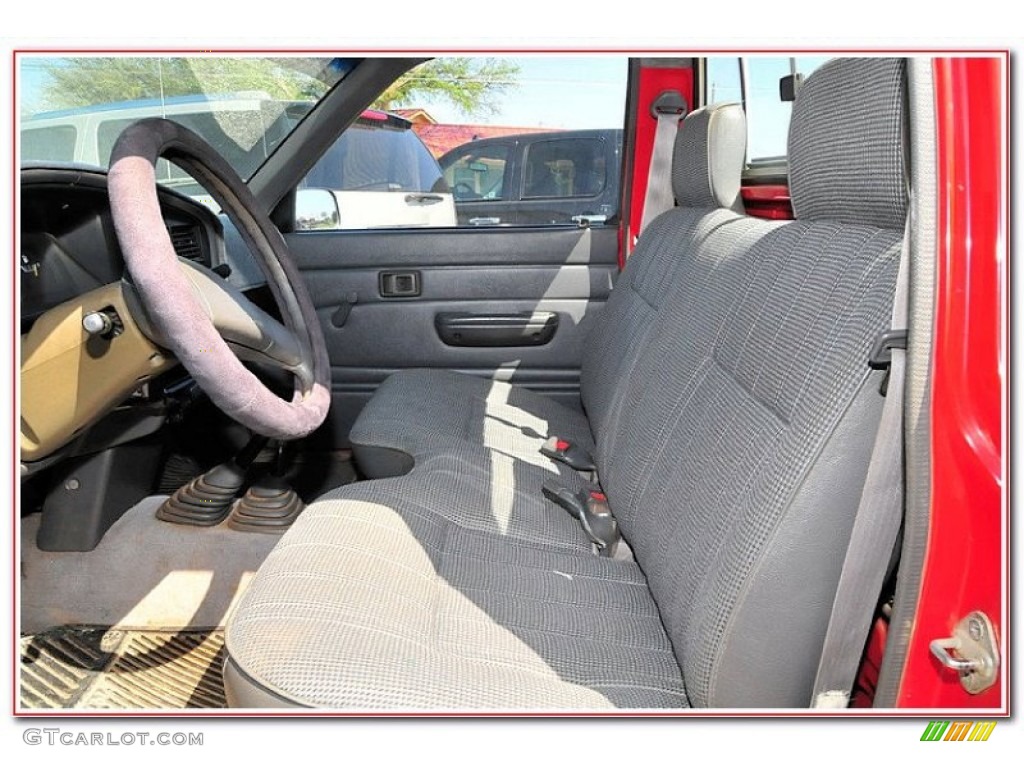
<point>876,525</point>
<point>659,197</point>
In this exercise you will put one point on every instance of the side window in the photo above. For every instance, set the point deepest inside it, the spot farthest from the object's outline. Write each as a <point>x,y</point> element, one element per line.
<point>471,142</point>
<point>754,81</point>
<point>477,171</point>
<point>564,168</point>
<point>723,80</point>
<point>374,156</point>
<point>377,174</point>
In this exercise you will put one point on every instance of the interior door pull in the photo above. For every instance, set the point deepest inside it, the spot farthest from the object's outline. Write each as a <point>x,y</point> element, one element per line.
<point>399,285</point>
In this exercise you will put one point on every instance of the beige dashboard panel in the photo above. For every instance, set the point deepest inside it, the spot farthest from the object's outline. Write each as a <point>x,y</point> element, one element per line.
<point>69,378</point>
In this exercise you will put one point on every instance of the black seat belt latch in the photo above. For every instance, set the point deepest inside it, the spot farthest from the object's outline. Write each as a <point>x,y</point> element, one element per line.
<point>590,507</point>
<point>881,351</point>
<point>568,453</point>
<point>880,358</point>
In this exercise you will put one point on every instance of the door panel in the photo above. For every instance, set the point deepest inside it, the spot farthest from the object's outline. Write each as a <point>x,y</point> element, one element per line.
<point>565,271</point>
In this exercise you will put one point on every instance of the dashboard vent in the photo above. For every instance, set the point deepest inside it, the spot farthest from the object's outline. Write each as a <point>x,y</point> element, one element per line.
<point>186,241</point>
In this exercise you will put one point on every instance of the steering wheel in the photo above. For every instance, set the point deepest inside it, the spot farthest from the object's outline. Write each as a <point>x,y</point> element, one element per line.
<point>462,190</point>
<point>207,323</point>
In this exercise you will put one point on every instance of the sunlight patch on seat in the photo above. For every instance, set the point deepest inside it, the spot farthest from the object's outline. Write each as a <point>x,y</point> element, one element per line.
<point>505,439</point>
<point>498,405</point>
<point>503,484</point>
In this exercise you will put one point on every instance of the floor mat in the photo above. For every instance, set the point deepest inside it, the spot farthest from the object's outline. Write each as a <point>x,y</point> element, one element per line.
<point>91,668</point>
<point>144,574</point>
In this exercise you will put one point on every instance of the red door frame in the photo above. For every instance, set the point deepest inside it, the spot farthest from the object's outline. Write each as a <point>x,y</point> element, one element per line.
<point>966,556</point>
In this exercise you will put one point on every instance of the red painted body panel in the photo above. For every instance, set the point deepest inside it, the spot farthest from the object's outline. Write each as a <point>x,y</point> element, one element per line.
<point>965,557</point>
<point>867,676</point>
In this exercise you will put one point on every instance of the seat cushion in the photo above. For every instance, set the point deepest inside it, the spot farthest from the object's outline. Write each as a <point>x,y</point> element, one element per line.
<point>418,413</point>
<point>388,604</point>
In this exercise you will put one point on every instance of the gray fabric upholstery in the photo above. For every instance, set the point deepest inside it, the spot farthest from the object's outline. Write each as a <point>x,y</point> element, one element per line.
<point>646,285</point>
<point>732,450</point>
<point>736,394</point>
<point>422,412</point>
<point>500,497</point>
<point>390,606</point>
<point>710,151</point>
<point>484,438</point>
<point>846,157</point>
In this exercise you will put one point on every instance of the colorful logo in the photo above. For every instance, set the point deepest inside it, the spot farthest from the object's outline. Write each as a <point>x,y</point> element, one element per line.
<point>958,730</point>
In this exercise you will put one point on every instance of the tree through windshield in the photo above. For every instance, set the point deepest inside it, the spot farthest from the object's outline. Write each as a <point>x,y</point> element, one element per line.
<point>76,107</point>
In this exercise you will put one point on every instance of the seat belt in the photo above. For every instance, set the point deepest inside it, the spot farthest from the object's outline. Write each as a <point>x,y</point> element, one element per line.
<point>659,197</point>
<point>878,519</point>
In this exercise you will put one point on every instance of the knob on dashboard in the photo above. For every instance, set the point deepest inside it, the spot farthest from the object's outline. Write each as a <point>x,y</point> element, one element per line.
<point>97,324</point>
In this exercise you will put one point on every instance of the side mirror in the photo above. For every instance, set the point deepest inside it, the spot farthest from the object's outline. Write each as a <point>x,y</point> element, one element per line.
<point>316,209</point>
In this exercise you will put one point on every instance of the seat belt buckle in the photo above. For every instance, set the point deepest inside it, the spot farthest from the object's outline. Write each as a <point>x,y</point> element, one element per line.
<point>590,507</point>
<point>881,351</point>
<point>568,453</point>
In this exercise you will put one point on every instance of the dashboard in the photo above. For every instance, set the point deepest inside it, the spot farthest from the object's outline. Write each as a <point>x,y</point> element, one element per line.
<point>68,242</point>
<point>82,392</point>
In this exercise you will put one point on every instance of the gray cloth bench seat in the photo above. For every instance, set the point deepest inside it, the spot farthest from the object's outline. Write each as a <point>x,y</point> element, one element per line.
<point>378,601</point>
<point>732,427</point>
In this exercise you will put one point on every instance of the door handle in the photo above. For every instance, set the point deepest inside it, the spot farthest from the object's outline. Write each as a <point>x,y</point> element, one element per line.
<point>525,329</point>
<point>399,285</point>
<point>422,199</point>
<point>485,221</point>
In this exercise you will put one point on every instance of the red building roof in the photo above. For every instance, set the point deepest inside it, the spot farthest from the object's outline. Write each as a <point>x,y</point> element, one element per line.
<point>415,115</point>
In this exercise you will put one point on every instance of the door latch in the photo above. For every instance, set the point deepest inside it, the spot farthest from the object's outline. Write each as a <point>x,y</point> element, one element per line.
<point>399,284</point>
<point>972,651</point>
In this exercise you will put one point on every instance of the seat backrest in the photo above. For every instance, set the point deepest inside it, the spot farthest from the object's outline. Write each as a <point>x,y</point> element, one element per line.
<point>752,411</point>
<point>707,163</point>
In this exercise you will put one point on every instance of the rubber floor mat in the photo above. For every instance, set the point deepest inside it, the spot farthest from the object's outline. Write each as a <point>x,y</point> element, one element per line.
<point>94,668</point>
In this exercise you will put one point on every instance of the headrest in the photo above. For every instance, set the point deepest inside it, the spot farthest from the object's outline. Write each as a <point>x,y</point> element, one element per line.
<point>708,158</point>
<point>846,136</point>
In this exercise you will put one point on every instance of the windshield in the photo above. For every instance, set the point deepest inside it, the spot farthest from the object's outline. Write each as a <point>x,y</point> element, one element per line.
<point>74,108</point>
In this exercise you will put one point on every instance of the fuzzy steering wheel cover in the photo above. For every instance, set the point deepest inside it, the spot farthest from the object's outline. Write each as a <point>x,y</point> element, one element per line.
<point>170,302</point>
